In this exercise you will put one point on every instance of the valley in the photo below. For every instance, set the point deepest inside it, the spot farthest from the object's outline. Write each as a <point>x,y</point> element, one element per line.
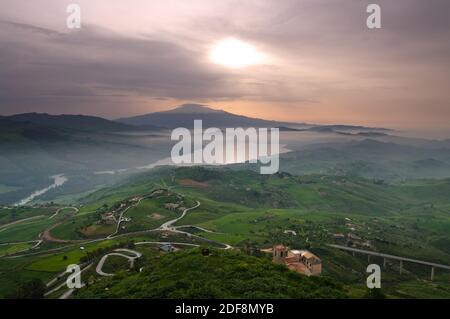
<point>116,196</point>
<point>230,208</point>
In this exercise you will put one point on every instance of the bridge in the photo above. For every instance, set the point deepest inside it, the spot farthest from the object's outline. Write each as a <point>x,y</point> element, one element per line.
<point>392,257</point>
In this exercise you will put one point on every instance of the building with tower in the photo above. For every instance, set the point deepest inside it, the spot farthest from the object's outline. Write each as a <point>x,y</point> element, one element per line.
<point>301,261</point>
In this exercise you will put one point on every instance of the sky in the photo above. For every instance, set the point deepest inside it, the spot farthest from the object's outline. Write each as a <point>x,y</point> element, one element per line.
<point>321,64</point>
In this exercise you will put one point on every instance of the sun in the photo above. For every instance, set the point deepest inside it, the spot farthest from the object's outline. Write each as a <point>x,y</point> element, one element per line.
<point>234,53</point>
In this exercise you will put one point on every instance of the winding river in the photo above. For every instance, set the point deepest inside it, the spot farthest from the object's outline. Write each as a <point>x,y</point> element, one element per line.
<point>58,180</point>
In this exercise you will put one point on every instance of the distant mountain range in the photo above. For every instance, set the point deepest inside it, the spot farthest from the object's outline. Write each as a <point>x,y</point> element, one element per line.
<point>371,159</point>
<point>67,122</point>
<point>35,146</point>
<point>181,116</point>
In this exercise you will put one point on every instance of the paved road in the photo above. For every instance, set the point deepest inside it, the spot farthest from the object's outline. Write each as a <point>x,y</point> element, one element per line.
<point>19,242</point>
<point>69,293</point>
<point>64,283</point>
<point>100,264</point>
<point>193,226</point>
<point>57,212</point>
<point>168,225</point>
<point>4,227</point>
<point>166,243</point>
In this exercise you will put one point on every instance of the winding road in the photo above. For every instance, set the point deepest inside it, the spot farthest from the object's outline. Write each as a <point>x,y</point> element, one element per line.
<point>59,210</point>
<point>117,252</point>
<point>4,227</point>
<point>63,284</point>
<point>167,226</point>
<point>123,212</point>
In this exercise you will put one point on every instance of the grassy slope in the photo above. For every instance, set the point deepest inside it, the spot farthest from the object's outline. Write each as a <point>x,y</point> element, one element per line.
<point>188,274</point>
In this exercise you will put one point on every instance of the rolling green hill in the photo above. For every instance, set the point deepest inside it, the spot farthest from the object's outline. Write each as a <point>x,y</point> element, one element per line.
<point>223,274</point>
<point>250,212</point>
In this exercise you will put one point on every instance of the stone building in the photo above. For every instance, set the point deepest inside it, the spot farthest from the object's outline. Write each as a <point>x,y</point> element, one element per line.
<point>301,261</point>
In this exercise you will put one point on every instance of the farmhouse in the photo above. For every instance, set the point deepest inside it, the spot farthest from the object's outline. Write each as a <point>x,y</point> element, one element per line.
<point>108,218</point>
<point>301,261</point>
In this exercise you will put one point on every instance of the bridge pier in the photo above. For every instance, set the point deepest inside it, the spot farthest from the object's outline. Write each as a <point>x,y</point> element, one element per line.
<point>387,257</point>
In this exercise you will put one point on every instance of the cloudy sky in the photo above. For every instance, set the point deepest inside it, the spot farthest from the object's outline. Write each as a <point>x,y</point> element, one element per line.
<point>320,63</point>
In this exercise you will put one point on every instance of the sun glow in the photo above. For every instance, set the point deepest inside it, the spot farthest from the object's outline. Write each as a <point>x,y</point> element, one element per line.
<point>234,53</point>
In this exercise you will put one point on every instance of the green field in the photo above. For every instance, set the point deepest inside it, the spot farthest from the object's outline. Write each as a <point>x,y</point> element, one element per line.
<point>14,248</point>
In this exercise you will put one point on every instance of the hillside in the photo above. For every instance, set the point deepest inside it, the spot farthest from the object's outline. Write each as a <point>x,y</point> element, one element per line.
<point>72,122</point>
<point>243,210</point>
<point>38,146</point>
<point>223,274</point>
<point>370,158</point>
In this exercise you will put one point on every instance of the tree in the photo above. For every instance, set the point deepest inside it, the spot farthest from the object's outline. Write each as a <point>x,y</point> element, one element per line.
<point>375,293</point>
<point>31,289</point>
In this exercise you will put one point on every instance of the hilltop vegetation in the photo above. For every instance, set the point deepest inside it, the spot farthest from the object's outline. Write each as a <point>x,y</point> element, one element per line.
<point>223,274</point>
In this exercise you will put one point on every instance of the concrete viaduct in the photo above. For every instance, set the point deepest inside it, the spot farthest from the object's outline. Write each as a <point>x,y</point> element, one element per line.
<point>392,257</point>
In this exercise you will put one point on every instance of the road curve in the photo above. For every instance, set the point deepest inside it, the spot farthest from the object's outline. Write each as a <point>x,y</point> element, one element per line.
<point>168,225</point>
<point>70,207</point>
<point>100,264</point>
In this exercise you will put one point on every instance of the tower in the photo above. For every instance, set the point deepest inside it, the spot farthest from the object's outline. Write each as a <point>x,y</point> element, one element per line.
<point>279,253</point>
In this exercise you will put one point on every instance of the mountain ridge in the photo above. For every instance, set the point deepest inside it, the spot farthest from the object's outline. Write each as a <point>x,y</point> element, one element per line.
<point>182,116</point>
<point>69,121</point>
<point>185,114</point>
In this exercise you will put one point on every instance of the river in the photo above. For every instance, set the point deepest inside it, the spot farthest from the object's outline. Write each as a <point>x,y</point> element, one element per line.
<point>58,180</point>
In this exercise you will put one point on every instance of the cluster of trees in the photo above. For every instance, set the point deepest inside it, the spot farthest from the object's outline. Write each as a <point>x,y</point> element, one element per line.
<point>31,289</point>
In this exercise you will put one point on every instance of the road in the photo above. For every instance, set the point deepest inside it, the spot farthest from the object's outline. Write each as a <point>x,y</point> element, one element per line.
<point>63,284</point>
<point>123,212</point>
<point>197,227</point>
<point>100,264</point>
<point>167,226</point>
<point>165,243</point>
<point>4,227</point>
<point>57,212</point>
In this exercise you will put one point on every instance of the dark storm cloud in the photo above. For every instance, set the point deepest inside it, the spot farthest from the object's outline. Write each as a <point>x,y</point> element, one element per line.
<point>327,66</point>
<point>40,66</point>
